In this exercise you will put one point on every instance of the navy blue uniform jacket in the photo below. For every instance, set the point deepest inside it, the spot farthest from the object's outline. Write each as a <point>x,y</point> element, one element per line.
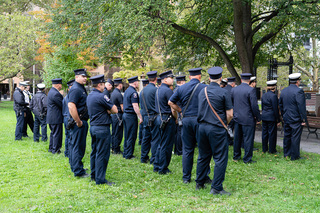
<point>182,95</point>
<point>98,103</point>
<point>221,102</point>
<point>270,109</point>
<point>130,96</point>
<point>54,107</point>
<point>292,104</point>
<point>245,110</point>
<point>117,99</point>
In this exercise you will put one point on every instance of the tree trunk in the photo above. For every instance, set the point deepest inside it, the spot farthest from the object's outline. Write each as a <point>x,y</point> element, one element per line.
<point>11,88</point>
<point>242,32</point>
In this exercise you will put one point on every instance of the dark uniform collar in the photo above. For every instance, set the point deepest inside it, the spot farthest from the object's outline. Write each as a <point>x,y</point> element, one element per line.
<point>214,84</point>
<point>133,87</point>
<point>117,89</point>
<point>152,84</point>
<point>293,85</point>
<point>165,85</point>
<point>194,79</point>
<point>96,90</point>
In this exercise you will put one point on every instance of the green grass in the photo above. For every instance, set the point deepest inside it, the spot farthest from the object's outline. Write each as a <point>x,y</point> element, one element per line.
<point>32,179</point>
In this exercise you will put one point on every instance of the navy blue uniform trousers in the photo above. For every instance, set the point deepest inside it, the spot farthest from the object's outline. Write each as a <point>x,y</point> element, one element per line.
<point>245,134</point>
<point>213,142</point>
<point>28,120</point>
<point>178,141</point>
<point>77,148</point>
<point>146,140</point>
<point>140,133</point>
<point>269,134</point>
<point>67,137</point>
<point>55,138</point>
<point>164,150</point>
<point>99,158</point>
<point>19,125</point>
<point>291,140</point>
<point>130,121</point>
<point>117,132</point>
<point>36,128</point>
<point>189,143</point>
<point>150,141</point>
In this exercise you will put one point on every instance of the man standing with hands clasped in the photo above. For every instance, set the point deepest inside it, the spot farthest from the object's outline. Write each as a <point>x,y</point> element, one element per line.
<point>246,115</point>
<point>292,104</point>
<point>54,116</point>
<point>77,99</point>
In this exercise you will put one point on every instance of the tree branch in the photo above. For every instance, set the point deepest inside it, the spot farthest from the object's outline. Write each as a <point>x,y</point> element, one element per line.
<point>304,71</point>
<point>266,38</point>
<point>14,74</point>
<point>213,43</point>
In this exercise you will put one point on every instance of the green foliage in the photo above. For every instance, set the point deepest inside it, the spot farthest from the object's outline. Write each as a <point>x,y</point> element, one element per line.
<point>32,179</point>
<point>17,37</point>
<point>60,64</point>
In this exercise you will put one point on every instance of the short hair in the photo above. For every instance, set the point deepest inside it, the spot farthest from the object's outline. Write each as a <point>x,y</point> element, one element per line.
<point>95,85</point>
<point>152,79</point>
<point>271,87</point>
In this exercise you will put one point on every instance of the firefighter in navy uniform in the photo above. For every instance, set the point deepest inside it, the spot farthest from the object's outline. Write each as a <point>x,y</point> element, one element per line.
<point>188,113</point>
<point>19,106</point>
<point>38,106</point>
<point>130,117</point>
<point>292,105</point>
<point>166,122</point>
<point>246,115</point>
<point>66,116</point>
<point>151,133</point>
<point>117,124</point>
<point>77,104</point>
<point>145,82</point>
<point>181,80</point>
<point>54,116</point>
<point>99,108</point>
<point>212,136</point>
<point>270,118</point>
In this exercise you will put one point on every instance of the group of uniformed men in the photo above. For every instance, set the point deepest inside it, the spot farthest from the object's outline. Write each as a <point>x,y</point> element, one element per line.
<point>193,114</point>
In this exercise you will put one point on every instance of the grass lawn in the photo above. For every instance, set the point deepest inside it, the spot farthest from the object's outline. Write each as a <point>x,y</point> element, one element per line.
<point>32,179</point>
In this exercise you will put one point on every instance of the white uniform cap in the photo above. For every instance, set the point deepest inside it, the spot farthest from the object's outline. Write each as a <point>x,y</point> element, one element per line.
<point>271,83</point>
<point>253,78</point>
<point>23,83</point>
<point>294,76</point>
<point>41,86</point>
<point>224,81</point>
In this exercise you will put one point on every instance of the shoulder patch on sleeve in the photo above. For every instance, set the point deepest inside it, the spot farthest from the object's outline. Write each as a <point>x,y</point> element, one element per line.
<point>106,97</point>
<point>135,95</point>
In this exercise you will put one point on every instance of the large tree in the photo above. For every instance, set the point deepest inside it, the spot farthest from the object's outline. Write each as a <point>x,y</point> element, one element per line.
<point>189,33</point>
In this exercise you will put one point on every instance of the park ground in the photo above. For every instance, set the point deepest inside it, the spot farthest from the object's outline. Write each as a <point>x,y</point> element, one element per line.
<point>32,179</point>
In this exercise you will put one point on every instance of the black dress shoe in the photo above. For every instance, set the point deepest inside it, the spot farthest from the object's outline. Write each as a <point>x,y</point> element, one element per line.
<point>93,179</point>
<point>200,186</point>
<point>36,140</point>
<point>255,149</point>
<point>109,183</point>
<point>250,161</point>
<point>85,175</point>
<point>132,157</point>
<point>165,172</point>
<point>186,181</point>
<point>222,192</point>
<point>208,180</point>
